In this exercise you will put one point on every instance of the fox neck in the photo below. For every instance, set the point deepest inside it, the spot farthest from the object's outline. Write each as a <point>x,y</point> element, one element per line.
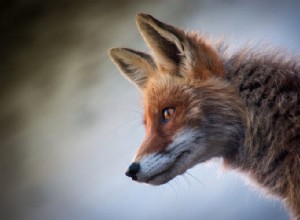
<point>225,118</point>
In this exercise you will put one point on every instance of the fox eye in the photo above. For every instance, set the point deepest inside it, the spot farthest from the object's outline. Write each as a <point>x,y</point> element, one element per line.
<point>168,113</point>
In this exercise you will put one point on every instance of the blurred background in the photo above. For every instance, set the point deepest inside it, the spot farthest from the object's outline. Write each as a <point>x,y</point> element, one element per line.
<point>70,123</point>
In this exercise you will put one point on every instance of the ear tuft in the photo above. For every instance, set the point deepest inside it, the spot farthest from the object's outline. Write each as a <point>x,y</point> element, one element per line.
<point>136,66</point>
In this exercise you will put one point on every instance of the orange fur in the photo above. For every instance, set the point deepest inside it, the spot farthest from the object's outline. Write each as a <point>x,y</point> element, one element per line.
<point>244,108</point>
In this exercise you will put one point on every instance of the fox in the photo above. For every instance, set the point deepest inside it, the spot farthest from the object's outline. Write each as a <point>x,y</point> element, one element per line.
<point>201,102</point>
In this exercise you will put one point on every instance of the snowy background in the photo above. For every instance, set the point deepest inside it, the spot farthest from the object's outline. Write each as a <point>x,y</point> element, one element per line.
<point>70,123</point>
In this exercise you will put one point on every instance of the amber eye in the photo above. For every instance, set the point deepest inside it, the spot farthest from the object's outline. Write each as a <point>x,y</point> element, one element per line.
<point>167,114</point>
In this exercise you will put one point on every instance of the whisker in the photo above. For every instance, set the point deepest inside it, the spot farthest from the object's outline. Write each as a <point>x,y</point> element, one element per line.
<point>173,187</point>
<point>133,110</point>
<point>195,178</point>
<point>136,120</point>
<point>162,190</point>
<point>187,183</point>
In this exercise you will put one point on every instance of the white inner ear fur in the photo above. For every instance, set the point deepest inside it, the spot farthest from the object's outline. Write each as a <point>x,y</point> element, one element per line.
<point>135,66</point>
<point>183,46</point>
<point>137,72</point>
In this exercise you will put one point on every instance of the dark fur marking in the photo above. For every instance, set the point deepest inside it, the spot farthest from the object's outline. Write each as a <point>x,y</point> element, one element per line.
<point>168,48</point>
<point>244,86</point>
<point>278,160</point>
<point>124,66</point>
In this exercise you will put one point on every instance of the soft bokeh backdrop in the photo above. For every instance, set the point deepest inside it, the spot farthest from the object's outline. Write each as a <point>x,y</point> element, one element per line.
<point>70,123</point>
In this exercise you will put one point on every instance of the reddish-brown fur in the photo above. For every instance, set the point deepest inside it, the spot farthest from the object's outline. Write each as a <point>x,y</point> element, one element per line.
<point>246,106</point>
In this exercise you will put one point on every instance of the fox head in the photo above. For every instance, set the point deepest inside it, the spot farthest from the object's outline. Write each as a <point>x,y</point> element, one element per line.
<point>191,113</point>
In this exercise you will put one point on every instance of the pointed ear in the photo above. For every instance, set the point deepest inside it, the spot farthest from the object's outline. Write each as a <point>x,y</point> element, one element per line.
<point>173,48</point>
<point>167,42</point>
<point>135,65</point>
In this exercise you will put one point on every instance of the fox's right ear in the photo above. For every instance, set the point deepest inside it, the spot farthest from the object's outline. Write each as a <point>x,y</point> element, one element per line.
<point>135,65</point>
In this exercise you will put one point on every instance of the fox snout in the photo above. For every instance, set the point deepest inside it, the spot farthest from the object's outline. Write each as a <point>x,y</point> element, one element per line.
<point>157,168</point>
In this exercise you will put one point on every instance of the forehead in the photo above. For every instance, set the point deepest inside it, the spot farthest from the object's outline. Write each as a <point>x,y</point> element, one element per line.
<point>165,89</point>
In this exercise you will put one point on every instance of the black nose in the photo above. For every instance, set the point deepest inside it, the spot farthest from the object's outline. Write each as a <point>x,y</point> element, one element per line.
<point>132,170</point>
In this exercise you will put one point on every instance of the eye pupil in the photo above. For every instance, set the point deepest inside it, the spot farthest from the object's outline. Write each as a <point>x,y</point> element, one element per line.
<point>168,113</point>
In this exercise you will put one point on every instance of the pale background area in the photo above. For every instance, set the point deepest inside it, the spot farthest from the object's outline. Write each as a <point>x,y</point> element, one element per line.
<point>70,123</point>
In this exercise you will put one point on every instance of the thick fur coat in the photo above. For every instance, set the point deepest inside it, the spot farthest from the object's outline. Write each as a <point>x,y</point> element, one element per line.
<point>202,103</point>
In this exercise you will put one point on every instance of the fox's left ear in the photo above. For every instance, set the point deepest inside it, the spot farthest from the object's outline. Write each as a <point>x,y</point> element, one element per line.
<point>173,49</point>
<point>135,65</point>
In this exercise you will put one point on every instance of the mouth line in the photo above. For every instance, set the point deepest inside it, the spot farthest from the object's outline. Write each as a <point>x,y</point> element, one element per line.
<point>168,169</point>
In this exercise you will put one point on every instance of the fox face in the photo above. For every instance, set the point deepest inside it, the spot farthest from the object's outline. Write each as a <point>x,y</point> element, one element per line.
<point>170,145</point>
<point>191,113</point>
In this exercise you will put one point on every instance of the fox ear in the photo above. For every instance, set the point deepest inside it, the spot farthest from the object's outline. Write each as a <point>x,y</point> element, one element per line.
<point>174,48</point>
<point>135,65</point>
<point>167,42</point>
